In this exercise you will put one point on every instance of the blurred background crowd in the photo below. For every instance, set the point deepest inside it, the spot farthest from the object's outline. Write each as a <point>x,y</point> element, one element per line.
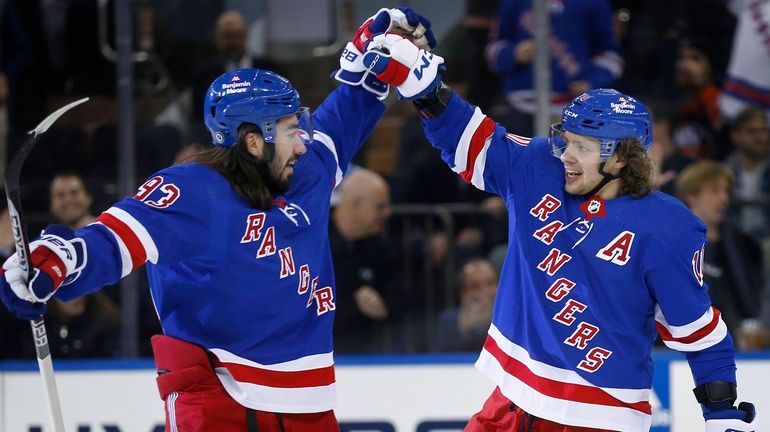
<point>417,251</point>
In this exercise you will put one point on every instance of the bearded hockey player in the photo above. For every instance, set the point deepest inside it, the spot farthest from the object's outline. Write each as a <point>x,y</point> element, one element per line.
<point>236,248</point>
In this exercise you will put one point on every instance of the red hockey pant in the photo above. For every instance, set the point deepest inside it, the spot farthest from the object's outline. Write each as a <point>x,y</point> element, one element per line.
<point>499,414</point>
<point>195,400</point>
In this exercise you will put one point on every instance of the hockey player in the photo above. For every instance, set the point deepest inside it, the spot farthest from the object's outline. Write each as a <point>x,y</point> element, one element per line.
<point>237,250</point>
<point>597,263</point>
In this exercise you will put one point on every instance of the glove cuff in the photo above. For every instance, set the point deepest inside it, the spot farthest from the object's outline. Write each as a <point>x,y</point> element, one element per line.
<point>57,258</point>
<point>716,395</point>
<point>433,104</point>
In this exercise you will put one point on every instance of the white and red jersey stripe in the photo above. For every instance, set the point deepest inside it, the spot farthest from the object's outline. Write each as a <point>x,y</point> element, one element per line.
<point>518,139</point>
<point>471,154</point>
<point>135,243</point>
<point>303,385</point>
<point>561,395</point>
<point>327,141</point>
<point>704,332</point>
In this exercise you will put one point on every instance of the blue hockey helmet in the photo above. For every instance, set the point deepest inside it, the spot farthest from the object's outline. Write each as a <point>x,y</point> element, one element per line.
<point>253,96</point>
<point>605,115</point>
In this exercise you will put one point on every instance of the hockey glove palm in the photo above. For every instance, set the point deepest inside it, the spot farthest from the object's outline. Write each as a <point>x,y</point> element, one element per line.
<point>397,61</point>
<point>56,260</point>
<point>352,70</point>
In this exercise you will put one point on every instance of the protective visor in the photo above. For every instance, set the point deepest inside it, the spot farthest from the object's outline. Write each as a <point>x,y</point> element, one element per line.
<point>280,127</point>
<point>584,149</point>
<point>305,128</point>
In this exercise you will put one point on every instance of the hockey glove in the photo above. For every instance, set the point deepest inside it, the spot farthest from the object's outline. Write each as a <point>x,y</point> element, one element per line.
<point>57,259</point>
<point>717,399</point>
<point>397,61</point>
<point>403,20</point>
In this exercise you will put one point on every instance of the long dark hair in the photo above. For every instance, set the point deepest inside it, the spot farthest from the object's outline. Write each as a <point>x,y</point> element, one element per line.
<point>244,171</point>
<point>636,179</point>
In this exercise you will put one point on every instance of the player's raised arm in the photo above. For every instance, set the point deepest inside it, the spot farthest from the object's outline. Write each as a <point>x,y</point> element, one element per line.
<point>472,144</point>
<point>348,115</point>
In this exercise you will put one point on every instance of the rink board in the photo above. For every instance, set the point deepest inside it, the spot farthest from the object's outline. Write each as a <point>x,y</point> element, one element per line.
<point>420,393</point>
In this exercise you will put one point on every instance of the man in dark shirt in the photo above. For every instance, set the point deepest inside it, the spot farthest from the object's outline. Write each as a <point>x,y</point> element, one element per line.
<point>363,263</point>
<point>732,264</point>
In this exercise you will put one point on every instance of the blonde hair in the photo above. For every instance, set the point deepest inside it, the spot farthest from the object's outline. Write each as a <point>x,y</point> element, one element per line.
<point>699,174</point>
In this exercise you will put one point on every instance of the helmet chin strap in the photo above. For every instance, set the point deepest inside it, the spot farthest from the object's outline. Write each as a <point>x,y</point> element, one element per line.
<point>606,179</point>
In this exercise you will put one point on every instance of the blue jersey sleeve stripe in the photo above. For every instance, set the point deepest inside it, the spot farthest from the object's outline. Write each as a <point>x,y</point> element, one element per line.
<point>327,141</point>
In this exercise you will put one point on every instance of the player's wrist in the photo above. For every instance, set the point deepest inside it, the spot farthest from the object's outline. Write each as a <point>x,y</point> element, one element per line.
<point>434,103</point>
<point>716,395</point>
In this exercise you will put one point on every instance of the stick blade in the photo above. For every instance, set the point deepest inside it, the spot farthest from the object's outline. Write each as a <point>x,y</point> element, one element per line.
<point>48,121</point>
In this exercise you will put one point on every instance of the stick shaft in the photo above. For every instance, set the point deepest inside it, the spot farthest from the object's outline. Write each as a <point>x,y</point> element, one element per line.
<point>45,365</point>
<point>13,195</point>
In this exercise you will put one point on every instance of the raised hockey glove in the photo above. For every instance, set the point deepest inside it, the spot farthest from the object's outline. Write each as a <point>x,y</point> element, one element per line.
<point>57,259</point>
<point>397,61</point>
<point>404,21</point>
<point>717,401</point>
<point>413,26</point>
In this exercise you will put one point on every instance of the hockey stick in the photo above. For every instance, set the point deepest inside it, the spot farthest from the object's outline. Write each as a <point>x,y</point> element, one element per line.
<point>22,249</point>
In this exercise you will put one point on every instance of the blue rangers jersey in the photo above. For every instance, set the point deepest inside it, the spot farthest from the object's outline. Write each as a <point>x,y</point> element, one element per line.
<point>253,287</point>
<point>587,284</point>
<point>582,44</point>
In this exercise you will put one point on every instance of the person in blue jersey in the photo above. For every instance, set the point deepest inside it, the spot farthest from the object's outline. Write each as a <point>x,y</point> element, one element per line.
<point>598,263</point>
<point>236,248</point>
<point>584,51</point>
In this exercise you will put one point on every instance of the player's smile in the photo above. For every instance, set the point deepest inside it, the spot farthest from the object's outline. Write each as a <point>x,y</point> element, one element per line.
<point>572,176</point>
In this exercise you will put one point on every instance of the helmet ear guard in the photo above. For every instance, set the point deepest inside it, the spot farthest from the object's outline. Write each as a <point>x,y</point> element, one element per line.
<point>254,96</point>
<point>607,116</point>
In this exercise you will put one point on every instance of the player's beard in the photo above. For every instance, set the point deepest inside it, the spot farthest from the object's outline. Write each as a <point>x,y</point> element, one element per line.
<point>270,171</point>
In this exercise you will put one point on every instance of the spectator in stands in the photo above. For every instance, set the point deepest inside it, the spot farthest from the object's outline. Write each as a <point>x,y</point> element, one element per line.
<point>364,264</point>
<point>7,246</point>
<point>748,75</point>
<point>86,327</point>
<point>418,164</point>
<point>584,50</point>
<point>483,85</point>
<point>70,201</point>
<point>650,32</point>
<point>464,328</point>
<point>732,261</point>
<point>230,39</point>
<point>15,52</point>
<point>667,160</point>
<point>749,162</point>
<point>698,122</point>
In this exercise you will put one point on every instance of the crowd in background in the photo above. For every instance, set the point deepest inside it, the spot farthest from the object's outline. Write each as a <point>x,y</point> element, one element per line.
<point>417,251</point>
